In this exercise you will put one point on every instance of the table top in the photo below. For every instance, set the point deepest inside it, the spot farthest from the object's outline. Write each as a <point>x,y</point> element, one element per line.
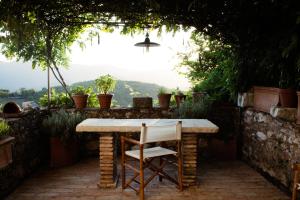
<point>134,125</point>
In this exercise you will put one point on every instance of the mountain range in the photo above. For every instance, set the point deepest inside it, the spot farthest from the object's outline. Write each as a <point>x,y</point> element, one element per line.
<point>123,92</point>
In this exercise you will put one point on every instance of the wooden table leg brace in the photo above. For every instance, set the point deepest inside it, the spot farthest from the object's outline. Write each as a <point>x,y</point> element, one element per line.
<point>190,141</point>
<point>107,158</point>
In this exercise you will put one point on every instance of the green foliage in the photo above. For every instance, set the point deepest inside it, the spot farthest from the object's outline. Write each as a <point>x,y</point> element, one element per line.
<point>265,34</point>
<point>58,100</point>
<point>178,92</point>
<point>26,92</point>
<point>93,101</point>
<point>4,93</point>
<point>80,90</point>
<point>194,110</point>
<point>105,84</point>
<point>211,67</point>
<point>35,40</point>
<point>4,128</point>
<point>162,90</point>
<point>62,124</point>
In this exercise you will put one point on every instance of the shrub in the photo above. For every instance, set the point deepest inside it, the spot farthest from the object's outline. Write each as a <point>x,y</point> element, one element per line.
<point>4,128</point>
<point>62,124</point>
<point>80,90</point>
<point>57,100</point>
<point>194,110</point>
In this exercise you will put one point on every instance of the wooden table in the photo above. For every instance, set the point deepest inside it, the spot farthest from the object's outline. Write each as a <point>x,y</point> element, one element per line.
<point>108,128</point>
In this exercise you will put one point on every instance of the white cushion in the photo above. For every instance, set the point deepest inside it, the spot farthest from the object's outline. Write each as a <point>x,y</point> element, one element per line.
<point>150,152</point>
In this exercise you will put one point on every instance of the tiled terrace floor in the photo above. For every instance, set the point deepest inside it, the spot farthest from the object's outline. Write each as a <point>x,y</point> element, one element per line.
<point>217,181</point>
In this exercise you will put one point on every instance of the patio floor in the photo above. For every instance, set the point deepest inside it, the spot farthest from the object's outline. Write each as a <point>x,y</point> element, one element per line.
<point>217,181</point>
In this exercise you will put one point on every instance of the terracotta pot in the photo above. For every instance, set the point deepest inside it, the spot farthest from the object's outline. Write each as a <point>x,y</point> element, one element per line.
<point>223,150</point>
<point>179,99</point>
<point>5,151</point>
<point>287,98</point>
<point>198,96</point>
<point>142,102</point>
<point>164,100</point>
<point>298,113</point>
<point>80,101</point>
<point>104,100</point>
<point>265,98</point>
<point>63,154</point>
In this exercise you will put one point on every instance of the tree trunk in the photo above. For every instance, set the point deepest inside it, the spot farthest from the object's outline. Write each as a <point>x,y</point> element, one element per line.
<point>50,61</point>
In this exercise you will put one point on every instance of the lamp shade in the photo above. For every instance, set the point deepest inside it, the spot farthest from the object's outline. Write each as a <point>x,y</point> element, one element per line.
<point>147,43</point>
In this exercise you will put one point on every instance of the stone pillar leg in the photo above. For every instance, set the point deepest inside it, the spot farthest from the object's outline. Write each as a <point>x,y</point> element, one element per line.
<point>108,162</point>
<point>190,141</point>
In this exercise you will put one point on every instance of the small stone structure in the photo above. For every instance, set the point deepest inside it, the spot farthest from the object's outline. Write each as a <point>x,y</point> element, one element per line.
<point>271,144</point>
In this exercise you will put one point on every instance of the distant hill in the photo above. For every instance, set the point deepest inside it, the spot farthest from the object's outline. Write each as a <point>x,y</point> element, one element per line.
<point>123,93</point>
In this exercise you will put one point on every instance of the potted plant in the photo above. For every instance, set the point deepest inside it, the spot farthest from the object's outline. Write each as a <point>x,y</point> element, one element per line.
<point>104,85</point>
<point>198,94</point>
<point>63,141</point>
<point>5,145</point>
<point>164,98</point>
<point>179,97</point>
<point>287,94</point>
<point>80,96</point>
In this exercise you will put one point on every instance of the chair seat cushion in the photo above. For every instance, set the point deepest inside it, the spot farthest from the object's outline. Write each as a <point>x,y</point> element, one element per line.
<point>150,152</point>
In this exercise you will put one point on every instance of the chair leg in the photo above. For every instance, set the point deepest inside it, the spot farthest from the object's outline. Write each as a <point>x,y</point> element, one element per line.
<point>160,178</point>
<point>123,163</point>
<point>179,157</point>
<point>141,173</point>
<point>294,197</point>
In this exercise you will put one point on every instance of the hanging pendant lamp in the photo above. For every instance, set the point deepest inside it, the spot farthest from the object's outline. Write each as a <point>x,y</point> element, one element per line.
<point>147,43</point>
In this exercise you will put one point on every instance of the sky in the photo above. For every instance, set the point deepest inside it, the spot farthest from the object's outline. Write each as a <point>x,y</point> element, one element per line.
<point>115,55</point>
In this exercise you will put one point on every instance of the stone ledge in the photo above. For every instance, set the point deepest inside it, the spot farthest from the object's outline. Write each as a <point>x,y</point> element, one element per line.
<point>289,114</point>
<point>286,114</point>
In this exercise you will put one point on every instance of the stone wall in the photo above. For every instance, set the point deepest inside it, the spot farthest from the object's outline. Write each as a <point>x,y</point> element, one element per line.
<point>271,145</point>
<point>30,150</point>
<point>127,113</point>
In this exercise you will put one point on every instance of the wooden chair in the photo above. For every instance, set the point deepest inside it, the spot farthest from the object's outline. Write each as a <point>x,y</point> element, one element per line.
<point>296,186</point>
<point>146,156</point>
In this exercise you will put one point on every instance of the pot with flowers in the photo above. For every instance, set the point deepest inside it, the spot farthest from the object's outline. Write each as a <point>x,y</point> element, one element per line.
<point>64,145</point>
<point>80,96</point>
<point>164,98</point>
<point>179,97</point>
<point>5,145</point>
<point>104,85</point>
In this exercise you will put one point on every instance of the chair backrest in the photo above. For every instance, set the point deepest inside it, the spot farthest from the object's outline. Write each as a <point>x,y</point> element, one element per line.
<point>160,133</point>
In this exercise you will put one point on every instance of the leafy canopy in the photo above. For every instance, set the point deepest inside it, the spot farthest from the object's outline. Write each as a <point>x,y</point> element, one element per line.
<point>265,34</point>
<point>211,67</point>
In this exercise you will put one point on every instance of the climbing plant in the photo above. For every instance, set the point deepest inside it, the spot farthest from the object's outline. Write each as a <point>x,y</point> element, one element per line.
<point>264,34</point>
